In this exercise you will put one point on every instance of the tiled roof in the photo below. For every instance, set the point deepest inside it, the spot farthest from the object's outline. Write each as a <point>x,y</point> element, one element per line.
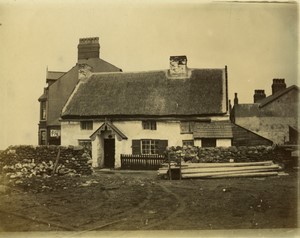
<point>257,109</point>
<point>276,95</point>
<point>246,110</point>
<point>43,97</point>
<point>99,65</point>
<point>149,93</point>
<point>214,129</point>
<point>54,75</point>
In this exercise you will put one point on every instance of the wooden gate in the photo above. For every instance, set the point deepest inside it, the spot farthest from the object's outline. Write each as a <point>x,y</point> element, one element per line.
<point>141,162</point>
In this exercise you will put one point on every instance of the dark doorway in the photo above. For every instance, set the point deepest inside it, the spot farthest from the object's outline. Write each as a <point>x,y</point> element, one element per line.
<point>209,142</point>
<point>109,153</point>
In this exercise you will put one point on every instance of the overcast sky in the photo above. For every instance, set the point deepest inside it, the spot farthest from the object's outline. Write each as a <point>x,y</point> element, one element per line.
<point>258,42</point>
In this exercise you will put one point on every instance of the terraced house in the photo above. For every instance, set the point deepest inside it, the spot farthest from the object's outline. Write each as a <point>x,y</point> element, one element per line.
<point>60,86</point>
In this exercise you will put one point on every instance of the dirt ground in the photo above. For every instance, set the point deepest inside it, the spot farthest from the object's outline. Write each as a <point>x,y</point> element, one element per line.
<point>136,200</point>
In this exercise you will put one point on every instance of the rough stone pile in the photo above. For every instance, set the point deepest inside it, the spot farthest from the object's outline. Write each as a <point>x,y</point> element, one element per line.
<point>22,162</point>
<point>230,154</point>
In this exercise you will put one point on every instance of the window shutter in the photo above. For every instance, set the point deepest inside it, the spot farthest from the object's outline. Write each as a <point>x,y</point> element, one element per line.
<point>136,147</point>
<point>162,145</point>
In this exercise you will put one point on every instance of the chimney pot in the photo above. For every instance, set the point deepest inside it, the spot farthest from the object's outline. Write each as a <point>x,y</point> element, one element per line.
<point>278,85</point>
<point>178,65</point>
<point>236,100</point>
<point>259,94</point>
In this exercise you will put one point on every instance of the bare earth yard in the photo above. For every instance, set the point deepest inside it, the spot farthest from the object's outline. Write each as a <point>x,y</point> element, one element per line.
<point>122,200</point>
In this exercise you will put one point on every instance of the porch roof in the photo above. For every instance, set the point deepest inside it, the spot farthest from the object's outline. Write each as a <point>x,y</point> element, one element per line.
<point>111,126</point>
<point>215,129</point>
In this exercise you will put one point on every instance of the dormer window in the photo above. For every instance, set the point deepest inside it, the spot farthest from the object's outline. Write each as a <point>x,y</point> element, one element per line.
<point>149,125</point>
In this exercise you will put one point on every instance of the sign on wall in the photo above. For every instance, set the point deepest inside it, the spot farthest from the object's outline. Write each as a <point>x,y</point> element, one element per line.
<point>54,133</point>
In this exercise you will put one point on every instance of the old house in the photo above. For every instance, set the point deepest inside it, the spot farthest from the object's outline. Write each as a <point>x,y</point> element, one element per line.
<point>274,117</point>
<point>60,86</point>
<point>144,112</point>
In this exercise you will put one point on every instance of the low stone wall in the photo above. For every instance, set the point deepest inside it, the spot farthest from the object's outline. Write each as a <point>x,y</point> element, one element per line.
<point>236,154</point>
<point>243,154</point>
<point>28,161</point>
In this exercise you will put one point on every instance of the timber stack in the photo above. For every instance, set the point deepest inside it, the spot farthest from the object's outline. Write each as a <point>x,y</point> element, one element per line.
<point>222,170</point>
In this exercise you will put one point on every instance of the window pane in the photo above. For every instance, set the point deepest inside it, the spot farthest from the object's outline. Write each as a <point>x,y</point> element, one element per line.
<point>187,127</point>
<point>149,125</point>
<point>150,146</point>
<point>188,142</point>
<point>86,125</point>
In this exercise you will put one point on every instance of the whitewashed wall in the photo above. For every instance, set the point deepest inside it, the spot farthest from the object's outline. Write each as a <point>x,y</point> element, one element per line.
<point>223,142</point>
<point>71,133</point>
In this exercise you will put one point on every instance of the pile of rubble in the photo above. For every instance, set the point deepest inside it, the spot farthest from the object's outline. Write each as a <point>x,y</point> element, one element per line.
<point>191,154</point>
<point>18,163</point>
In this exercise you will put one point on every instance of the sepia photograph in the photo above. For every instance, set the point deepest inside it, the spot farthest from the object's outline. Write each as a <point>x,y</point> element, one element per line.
<point>149,118</point>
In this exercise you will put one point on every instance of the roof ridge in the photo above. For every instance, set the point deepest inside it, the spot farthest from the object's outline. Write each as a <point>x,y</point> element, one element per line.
<point>150,71</point>
<point>54,71</point>
<point>127,72</point>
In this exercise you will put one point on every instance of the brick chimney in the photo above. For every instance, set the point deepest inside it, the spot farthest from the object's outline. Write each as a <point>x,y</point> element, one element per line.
<point>178,66</point>
<point>88,48</point>
<point>278,85</point>
<point>259,95</point>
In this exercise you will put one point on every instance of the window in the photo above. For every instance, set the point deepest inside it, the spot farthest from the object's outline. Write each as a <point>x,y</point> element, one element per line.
<point>149,125</point>
<point>43,110</point>
<point>43,136</point>
<point>209,142</point>
<point>148,146</point>
<point>86,125</point>
<point>188,143</point>
<point>186,127</point>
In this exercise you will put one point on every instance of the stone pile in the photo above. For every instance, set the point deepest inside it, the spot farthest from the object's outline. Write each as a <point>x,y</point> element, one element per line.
<point>230,154</point>
<point>22,162</point>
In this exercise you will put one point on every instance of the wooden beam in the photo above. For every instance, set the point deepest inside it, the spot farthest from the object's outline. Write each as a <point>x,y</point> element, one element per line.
<point>231,175</point>
<point>224,169</point>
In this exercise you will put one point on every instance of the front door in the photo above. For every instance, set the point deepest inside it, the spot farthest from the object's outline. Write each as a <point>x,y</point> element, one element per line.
<point>109,153</point>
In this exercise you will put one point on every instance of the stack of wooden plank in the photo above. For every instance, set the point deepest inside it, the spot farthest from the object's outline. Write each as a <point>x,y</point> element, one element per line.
<point>222,170</point>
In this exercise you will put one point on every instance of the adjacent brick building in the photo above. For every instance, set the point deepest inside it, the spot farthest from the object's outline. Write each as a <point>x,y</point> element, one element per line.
<point>60,86</point>
<point>274,117</point>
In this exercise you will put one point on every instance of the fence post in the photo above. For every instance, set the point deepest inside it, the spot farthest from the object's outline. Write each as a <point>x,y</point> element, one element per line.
<point>169,161</point>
